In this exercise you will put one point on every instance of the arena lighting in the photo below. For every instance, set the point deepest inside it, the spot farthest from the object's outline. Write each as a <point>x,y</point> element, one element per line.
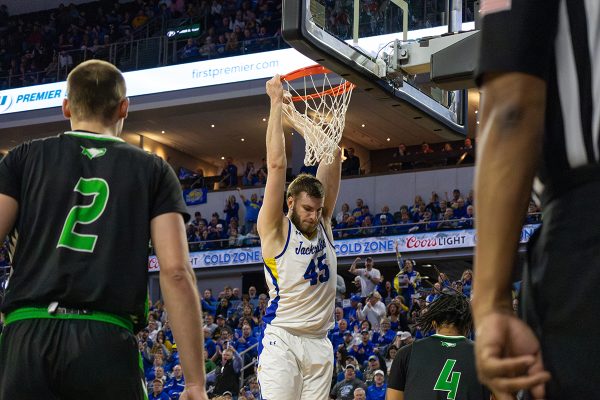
<point>243,139</point>
<point>163,132</point>
<point>388,139</point>
<point>363,125</point>
<point>212,125</point>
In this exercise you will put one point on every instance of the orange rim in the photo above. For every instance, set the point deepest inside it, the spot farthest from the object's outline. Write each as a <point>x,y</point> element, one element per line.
<point>315,70</point>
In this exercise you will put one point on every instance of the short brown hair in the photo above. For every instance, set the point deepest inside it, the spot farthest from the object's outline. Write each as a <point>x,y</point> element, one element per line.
<point>306,183</point>
<point>95,89</point>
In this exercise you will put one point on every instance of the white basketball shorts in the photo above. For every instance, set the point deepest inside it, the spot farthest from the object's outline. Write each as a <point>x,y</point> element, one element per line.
<point>293,367</point>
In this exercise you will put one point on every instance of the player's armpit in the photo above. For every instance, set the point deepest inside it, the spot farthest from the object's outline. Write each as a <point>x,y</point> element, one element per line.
<point>392,394</point>
<point>9,208</point>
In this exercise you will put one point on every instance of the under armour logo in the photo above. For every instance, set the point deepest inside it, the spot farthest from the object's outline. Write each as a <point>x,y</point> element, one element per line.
<point>272,342</point>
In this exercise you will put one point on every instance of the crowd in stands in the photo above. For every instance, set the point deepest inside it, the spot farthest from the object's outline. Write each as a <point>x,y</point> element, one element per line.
<point>374,318</point>
<point>44,46</point>
<point>437,214</point>
<point>381,17</point>
<point>233,27</point>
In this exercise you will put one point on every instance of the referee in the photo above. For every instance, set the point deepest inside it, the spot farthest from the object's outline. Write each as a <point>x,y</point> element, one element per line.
<point>80,209</point>
<point>441,366</point>
<point>540,80</point>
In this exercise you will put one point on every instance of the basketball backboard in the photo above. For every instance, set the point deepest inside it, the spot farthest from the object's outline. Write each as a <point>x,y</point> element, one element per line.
<point>385,47</point>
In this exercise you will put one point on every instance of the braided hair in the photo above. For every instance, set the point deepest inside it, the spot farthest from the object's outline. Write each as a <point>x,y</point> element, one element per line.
<point>448,309</point>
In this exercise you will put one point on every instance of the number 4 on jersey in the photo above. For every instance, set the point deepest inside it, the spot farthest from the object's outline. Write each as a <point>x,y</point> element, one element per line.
<point>448,381</point>
<point>312,274</point>
<point>87,214</point>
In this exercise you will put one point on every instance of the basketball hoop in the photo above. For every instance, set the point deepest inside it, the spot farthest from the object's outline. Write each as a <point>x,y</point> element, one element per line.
<point>324,116</point>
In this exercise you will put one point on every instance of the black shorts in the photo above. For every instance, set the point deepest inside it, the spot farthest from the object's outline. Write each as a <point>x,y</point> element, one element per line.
<point>57,359</point>
<point>561,292</point>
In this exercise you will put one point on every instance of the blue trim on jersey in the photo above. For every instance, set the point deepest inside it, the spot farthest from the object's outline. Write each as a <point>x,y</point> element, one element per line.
<point>287,241</point>
<point>326,235</point>
<point>272,309</point>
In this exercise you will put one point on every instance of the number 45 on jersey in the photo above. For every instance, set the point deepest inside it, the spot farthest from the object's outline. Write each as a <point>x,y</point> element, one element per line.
<point>323,271</point>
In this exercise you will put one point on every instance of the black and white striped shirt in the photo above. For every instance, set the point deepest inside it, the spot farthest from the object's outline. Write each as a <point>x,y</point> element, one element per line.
<point>558,41</point>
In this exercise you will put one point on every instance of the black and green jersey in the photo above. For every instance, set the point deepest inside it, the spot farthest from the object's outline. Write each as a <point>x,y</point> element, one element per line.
<point>83,228</point>
<point>438,367</point>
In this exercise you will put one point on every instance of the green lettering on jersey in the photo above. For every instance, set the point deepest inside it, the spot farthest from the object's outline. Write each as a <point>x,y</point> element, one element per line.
<point>93,152</point>
<point>448,381</point>
<point>85,215</point>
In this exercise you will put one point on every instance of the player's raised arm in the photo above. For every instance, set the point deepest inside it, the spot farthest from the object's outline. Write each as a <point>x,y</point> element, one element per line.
<point>330,175</point>
<point>270,217</point>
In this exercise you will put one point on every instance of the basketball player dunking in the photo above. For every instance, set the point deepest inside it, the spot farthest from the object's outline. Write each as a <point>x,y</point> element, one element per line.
<point>296,357</point>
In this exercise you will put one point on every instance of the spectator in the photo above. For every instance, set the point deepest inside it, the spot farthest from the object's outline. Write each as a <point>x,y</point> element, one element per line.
<point>385,336</point>
<point>140,19</point>
<point>359,394</point>
<point>448,221</point>
<point>357,212</point>
<point>245,342</point>
<point>350,312</point>
<point>373,365</point>
<point>344,390</point>
<point>390,354</point>
<point>177,379</point>
<point>250,177</point>
<point>468,221</point>
<point>405,225</point>
<point>340,290</point>
<point>351,229</point>
<point>252,209</point>
<point>157,391</point>
<point>460,209</point>
<point>377,390</point>
<point>385,211</point>
<point>384,227</point>
<point>425,149</point>
<point>340,215</point>
<point>227,374</point>
<point>467,282</point>
<point>190,49</point>
<point>231,210</point>
<point>369,277</point>
<point>363,350</point>
<point>397,318</point>
<point>366,227</point>
<point>351,165</point>
<point>228,174</point>
<point>198,219</point>
<point>374,310</point>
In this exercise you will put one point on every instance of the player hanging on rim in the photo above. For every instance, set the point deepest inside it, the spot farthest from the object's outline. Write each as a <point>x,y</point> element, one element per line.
<point>296,358</point>
<point>441,366</point>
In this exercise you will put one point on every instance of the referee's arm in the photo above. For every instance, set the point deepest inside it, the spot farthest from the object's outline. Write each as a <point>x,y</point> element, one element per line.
<point>512,119</point>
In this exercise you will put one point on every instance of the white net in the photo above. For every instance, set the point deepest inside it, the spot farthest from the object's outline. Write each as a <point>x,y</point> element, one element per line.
<point>322,120</point>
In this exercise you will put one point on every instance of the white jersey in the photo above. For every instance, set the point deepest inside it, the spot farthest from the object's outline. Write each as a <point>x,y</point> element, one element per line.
<point>302,282</point>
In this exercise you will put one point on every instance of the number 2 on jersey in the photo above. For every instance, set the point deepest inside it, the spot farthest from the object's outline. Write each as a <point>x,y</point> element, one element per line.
<point>84,215</point>
<point>448,381</point>
<point>312,274</point>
